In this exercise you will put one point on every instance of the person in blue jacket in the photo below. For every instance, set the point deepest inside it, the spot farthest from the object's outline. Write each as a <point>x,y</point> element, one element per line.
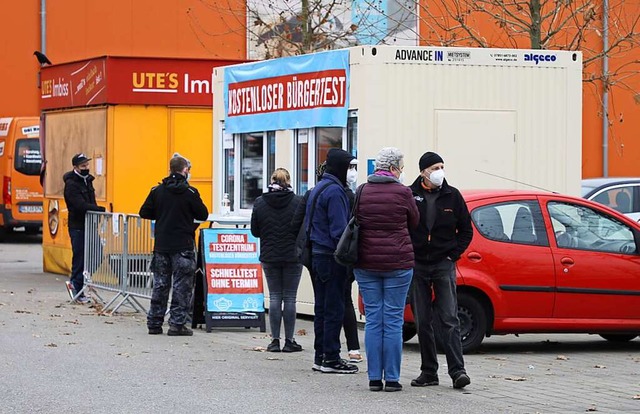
<point>327,222</point>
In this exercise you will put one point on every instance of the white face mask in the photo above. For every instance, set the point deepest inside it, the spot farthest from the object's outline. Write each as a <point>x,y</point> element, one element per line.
<point>436,177</point>
<point>401,177</point>
<point>352,176</point>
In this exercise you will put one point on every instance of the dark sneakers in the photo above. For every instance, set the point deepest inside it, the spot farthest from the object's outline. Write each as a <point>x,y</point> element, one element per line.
<point>290,345</point>
<point>338,366</point>
<point>317,364</point>
<point>391,386</point>
<point>425,380</point>
<point>375,385</point>
<point>179,330</point>
<point>274,346</point>
<point>155,331</point>
<point>461,380</point>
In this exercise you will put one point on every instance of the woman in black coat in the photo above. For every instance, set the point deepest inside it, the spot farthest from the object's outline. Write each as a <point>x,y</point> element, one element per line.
<point>270,221</point>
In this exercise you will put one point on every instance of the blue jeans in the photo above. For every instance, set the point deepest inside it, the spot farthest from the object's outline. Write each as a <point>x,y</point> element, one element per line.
<point>384,295</point>
<point>283,280</point>
<point>328,292</point>
<point>77,261</point>
<point>440,308</point>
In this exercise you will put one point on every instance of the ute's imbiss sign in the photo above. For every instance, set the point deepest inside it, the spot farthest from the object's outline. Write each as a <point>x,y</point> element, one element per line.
<point>123,80</point>
<point>290,93</point>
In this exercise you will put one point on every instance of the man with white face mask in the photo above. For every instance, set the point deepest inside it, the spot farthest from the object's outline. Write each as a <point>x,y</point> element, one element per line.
<point>442,236</point>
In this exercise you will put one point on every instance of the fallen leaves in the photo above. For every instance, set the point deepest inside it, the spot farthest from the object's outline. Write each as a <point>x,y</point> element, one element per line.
<point>515,378</point>
<point>599,366</point>
<point>51,345</point>
<point>636,397</point>
<point>22,311</point>
<point>562,358</point>
<point>259,349</point>
<point>301,332</point>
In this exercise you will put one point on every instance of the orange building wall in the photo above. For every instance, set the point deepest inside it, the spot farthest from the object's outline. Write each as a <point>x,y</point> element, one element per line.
<point>79,29</point>
<point>624,112</point>
<point>19,37</point>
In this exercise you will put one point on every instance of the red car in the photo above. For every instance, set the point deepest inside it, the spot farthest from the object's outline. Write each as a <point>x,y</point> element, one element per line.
<point>541,263</point>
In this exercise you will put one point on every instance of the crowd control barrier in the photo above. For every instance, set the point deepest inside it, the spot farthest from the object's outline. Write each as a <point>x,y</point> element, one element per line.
<point>117,260</point>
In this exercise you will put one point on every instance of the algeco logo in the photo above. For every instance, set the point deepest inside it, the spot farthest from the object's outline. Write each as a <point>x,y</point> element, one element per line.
<point>529,57</point>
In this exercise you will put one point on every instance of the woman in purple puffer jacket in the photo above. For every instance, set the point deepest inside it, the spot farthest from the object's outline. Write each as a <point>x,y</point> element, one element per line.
<point>385,212</point>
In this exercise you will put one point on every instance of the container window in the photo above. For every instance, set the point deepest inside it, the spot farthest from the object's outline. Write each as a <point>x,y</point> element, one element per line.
<point>327,138</point>
<point>229,181</point>
<point>271,152</point>
<point>302,161</point>
<point>251,165</point>
<point>27,158</point>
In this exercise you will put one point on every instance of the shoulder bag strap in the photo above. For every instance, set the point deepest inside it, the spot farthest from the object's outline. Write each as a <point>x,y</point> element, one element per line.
<point>313,207</point>
<point>356,202</point>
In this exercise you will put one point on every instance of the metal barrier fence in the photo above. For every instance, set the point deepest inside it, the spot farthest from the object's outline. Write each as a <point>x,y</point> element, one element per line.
<point>118,253</point>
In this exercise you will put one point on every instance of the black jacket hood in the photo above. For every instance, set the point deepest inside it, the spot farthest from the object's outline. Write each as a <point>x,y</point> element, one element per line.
<point>278,199</point>
<point>338,161</point>
<point>176,183</point>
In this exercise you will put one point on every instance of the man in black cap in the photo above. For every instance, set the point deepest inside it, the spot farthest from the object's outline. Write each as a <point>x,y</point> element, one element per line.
<point>174,205</point>
<point>328,221</point>
<point>443,234</point>
<point>80,197</point>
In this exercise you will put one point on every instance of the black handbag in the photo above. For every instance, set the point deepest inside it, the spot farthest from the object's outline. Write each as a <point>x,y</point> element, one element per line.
<point>303,242</point>
<point>347,250</point>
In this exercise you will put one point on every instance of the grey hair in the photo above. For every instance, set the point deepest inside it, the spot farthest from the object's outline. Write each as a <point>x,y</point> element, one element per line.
<point>388,157</point>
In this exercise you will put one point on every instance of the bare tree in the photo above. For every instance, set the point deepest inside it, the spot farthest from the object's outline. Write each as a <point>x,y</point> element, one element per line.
<point>277,28</point>
<point>538,24</point>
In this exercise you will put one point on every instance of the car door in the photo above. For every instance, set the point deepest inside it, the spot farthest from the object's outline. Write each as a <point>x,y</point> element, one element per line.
<point>510,259</point>
<point>597,262</point>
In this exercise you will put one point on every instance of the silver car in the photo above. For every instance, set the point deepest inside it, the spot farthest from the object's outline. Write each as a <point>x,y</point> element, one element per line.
<point>621,194</point>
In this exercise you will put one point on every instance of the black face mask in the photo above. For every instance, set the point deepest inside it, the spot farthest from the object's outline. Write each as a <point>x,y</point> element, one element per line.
<point>84,173</point>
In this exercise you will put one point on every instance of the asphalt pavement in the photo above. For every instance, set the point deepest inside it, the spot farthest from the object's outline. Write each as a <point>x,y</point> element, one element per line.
<point>56,356</point>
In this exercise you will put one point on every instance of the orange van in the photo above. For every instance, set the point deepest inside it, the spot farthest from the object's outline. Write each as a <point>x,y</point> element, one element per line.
<point>20,163</point>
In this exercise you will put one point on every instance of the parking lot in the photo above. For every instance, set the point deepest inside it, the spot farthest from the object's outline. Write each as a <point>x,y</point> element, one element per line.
<point>57,356</point>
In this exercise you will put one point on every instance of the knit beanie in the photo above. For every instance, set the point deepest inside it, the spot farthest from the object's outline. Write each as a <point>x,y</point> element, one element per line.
<point>428,159</point>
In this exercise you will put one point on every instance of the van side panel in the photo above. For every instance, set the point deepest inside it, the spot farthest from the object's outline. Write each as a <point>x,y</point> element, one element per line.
<point>20,163</point>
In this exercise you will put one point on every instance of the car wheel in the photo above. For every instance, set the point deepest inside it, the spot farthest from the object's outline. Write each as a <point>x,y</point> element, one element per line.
<point>408,331</point>
<point>618,337</point>
<point>473,322</point>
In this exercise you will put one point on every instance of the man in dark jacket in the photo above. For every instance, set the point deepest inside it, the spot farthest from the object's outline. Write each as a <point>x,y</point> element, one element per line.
<point>326,223</point>
<point>174,205</point>
<point>443,234</point>
<point>80,197</point>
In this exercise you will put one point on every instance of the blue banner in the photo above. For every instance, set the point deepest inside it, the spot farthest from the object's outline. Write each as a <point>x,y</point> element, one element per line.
<point>288,93</point>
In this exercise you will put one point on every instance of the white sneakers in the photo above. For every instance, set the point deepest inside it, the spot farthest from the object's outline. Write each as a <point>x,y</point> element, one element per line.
<point>355,356</point>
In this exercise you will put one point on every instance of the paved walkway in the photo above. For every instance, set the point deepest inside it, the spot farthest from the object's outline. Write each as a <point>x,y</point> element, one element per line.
<point>55,355</point>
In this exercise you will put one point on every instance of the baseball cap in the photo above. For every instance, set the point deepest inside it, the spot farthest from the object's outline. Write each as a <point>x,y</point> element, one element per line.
<point>79,159</point>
